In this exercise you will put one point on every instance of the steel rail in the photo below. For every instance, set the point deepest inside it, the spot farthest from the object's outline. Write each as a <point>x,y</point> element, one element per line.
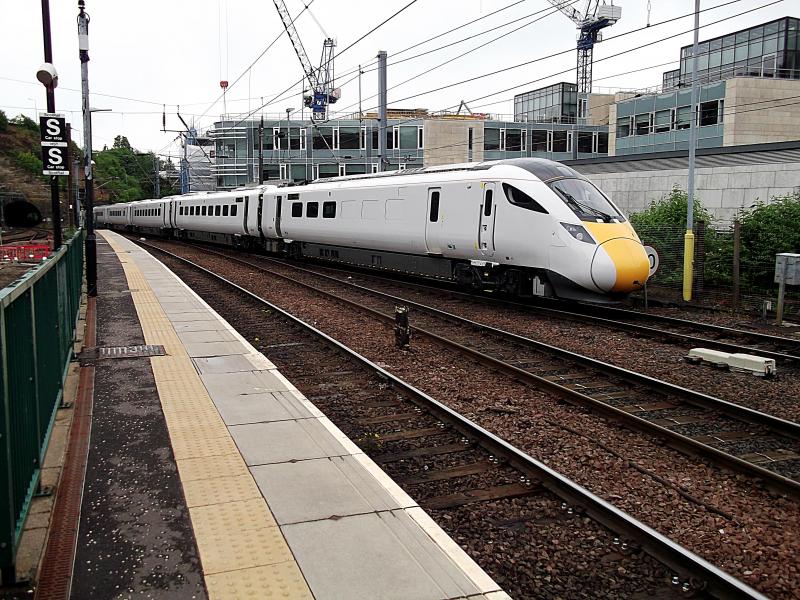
<point>678,441</point>
<point>537,308</point>
<point>702,574</point>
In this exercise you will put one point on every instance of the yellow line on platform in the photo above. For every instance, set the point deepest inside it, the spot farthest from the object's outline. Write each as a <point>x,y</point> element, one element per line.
<point>242,550</point>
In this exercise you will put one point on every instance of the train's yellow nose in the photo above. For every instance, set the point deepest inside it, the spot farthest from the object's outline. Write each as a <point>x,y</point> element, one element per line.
<point>630,263</point>
<point>620,263</point>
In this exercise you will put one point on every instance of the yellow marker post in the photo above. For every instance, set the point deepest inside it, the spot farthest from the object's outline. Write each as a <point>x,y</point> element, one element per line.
<point>688,264</point>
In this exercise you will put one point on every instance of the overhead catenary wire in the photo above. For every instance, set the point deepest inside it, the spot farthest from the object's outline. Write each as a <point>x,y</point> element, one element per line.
<point>619,53</point>
<point>449,61</point>
<point>552,55</point>
<point>338,54</point>
<point>561,72</point>
<point>255,60</point>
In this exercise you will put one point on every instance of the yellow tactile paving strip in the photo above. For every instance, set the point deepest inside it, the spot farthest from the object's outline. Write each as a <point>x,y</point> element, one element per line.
<point>242,550</point>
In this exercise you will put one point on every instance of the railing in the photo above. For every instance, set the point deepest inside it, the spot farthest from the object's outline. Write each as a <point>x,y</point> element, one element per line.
<point>38,315</point>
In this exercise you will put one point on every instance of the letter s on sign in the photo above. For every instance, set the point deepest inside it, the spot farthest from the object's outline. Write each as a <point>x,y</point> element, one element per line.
<point>55,156</point>
<point>53,127</point>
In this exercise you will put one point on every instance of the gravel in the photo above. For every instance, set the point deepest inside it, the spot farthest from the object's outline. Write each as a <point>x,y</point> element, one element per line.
<point>724,517</point>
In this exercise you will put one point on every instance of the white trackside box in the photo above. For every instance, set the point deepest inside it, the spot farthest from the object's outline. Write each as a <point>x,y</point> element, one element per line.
<point>788,264</point>
<point>757,365</point>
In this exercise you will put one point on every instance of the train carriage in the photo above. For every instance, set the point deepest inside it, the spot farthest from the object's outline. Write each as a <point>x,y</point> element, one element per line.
<point>524,226</point>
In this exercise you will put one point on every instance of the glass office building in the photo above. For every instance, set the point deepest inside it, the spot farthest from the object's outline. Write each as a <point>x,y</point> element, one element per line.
<point>556,103</point>
<point>768,50</point>
<point>299,150</point>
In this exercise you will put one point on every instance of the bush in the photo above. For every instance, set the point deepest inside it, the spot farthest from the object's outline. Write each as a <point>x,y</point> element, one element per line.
<point>766,230</point>
<point>3,121</point>
<point>663,226</point>
<point>670,210</point>
<point>28,161</point>
<point>25,123</point>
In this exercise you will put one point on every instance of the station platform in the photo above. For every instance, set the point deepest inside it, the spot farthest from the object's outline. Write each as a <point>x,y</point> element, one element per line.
<point>210,475</point>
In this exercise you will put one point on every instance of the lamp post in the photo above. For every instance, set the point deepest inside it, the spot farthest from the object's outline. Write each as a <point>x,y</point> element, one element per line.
<point>48,76</point>
<point>688,241</point>
<point>91,240</point>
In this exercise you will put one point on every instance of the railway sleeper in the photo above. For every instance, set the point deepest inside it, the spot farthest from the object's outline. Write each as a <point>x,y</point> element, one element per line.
<point>390,457</point>
<point>443,474</point>
<point>500,492</point>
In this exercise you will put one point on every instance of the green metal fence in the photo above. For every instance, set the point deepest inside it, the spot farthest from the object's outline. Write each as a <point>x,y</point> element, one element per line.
<point>38,314</point>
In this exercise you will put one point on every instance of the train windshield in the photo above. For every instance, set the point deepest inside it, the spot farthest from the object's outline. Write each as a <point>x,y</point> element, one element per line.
<point>585,200</point>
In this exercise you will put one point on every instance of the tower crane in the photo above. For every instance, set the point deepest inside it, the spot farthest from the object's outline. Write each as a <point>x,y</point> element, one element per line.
<point>320,80</point>
<point>595,17</point>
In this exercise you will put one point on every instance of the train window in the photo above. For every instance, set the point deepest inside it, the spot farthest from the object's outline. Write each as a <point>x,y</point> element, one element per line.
<point>519,198</point>
<point>233,209</point>
<point>297,209</point>
<point>487,204</point>
<point>585,200</point>
<point>312,210</point>
<point>225,210</point>
<point>205,211</point>
<point>434,214</point>
<point>217,208</point>
<point>328,210</point>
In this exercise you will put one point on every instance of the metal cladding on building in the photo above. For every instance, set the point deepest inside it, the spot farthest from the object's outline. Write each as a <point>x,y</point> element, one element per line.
<point>746,77</point>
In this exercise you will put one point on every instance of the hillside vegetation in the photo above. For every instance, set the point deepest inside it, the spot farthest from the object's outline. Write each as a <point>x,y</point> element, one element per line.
<point>121,173</point>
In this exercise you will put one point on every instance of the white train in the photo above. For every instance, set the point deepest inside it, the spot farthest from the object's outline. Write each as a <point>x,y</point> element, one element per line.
<point>524,226</point>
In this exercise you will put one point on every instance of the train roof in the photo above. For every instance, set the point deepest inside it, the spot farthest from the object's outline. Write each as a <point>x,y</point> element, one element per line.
<point>545,169</point>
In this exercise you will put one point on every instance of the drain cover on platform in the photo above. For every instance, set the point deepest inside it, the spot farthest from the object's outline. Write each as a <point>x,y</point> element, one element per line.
<point>145,350</point>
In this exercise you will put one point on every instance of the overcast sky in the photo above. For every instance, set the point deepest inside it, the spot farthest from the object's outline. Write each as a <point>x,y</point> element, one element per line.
<point>176,52</point>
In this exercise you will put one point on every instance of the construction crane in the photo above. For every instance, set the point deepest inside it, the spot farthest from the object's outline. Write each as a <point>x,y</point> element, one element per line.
<point>595,17</point>
<point>320,80</point>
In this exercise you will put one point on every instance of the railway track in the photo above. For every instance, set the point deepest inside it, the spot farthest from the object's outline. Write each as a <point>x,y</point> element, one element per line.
<point>732,436</point>
<point>659,327</point>
<point>471,479</point>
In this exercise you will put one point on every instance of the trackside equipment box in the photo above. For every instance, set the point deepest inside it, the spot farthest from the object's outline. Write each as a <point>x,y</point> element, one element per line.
<point>788,264</point>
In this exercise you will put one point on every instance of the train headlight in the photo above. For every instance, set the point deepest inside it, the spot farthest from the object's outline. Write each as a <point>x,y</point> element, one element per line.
<point>578,232</point>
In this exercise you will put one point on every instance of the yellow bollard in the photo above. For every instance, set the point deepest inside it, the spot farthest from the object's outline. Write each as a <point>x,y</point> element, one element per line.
<point>688,265</point>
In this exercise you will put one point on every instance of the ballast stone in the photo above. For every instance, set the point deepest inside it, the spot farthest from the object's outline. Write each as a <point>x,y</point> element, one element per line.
<point>757,365</point>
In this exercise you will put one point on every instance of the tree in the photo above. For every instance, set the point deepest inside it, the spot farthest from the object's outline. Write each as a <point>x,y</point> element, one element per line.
<point>3,121</point>
<point>121,142</point>
<point>25,123</point>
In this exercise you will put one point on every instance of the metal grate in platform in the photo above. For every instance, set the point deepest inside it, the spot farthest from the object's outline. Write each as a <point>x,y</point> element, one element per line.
<point>104,352</point>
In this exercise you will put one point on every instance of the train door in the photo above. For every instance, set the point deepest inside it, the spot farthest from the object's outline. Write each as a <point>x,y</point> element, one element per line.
<point>432,222</point>
<point>278,211</point>
<point>246,213</point>
<point>259,215</point>
<point>486,226</point>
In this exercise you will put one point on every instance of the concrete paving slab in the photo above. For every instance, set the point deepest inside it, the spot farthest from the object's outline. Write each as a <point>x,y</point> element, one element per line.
<point>204,325</point>
<point>227,385</point>
<point>377,555</point>
<point>234,363</point>
<point>259,408</point>
<point>310,490</point>
<point>172,308</point>
<point>201,349</point>
<point>193,315</point>
<point>282,441</point>
<point>216,335</point>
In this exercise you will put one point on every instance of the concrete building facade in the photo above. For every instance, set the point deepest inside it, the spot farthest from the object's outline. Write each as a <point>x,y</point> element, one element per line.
<point>727,180</point>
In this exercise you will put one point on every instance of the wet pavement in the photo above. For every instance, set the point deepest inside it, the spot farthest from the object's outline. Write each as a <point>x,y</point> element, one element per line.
<point>135,538</point>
